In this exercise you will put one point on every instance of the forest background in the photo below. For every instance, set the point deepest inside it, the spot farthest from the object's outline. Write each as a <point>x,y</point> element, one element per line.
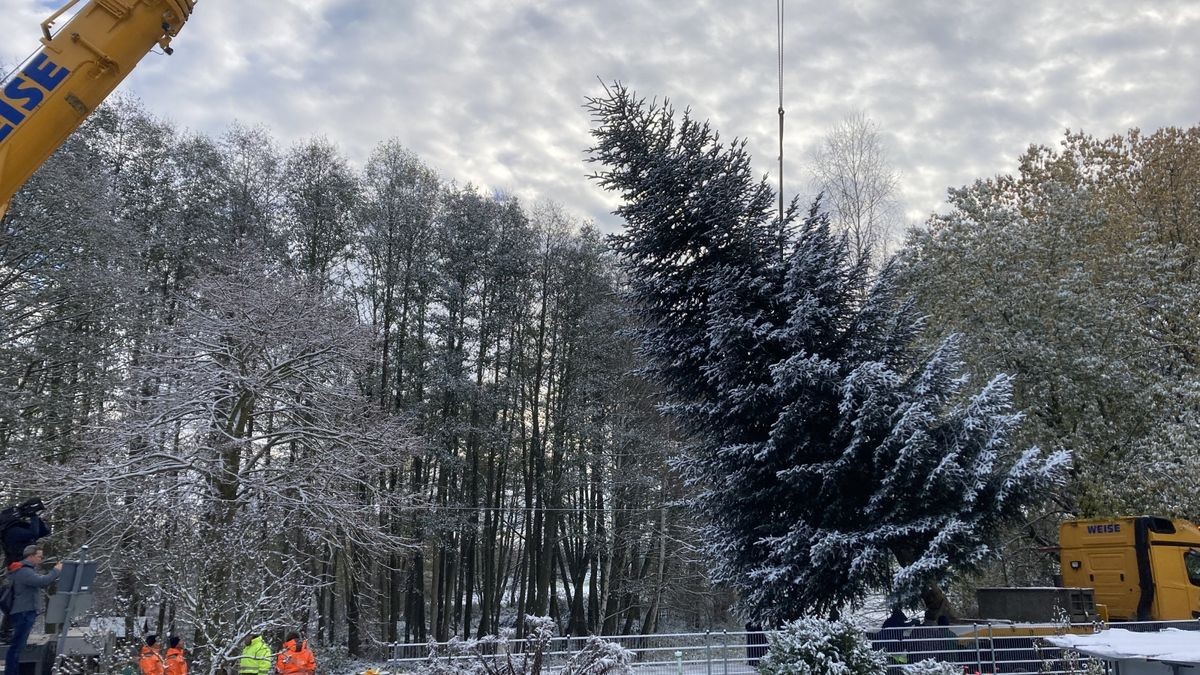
<point>270,390</point>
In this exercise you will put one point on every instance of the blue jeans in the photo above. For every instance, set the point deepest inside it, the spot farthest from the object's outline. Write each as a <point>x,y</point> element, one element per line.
<point>22,623</point>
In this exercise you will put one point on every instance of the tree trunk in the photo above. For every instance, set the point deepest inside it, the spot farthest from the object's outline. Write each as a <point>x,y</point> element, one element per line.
<point>935,600</point>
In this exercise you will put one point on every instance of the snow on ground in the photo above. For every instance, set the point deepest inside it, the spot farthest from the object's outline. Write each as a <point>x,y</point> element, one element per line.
<point>640,669</point>
<point>1172,644</point>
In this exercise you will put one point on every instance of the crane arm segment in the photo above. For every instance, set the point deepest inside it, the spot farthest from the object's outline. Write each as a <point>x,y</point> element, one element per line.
<point>51,94</point>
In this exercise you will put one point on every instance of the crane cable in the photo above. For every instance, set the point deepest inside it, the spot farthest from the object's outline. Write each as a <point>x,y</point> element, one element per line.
<point>779,26</point>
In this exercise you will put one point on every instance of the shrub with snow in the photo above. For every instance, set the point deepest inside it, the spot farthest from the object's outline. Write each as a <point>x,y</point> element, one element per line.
<point>932,667</point>
<point>498,655</point>
<point>820,647</point>
<point>600,657</point>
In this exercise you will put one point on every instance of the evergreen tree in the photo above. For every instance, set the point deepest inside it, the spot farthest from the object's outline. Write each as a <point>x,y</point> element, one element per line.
<point>827,459</point>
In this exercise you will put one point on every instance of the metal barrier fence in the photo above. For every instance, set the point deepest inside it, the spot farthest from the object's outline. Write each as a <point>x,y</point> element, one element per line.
<point>712,653</point>
<point>981,648</point>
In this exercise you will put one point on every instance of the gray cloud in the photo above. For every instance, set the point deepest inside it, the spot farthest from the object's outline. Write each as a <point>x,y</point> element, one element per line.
<point>490,92</point>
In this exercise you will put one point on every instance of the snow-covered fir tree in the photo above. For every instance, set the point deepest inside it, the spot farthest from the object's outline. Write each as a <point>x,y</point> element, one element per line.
<point>828,458</point>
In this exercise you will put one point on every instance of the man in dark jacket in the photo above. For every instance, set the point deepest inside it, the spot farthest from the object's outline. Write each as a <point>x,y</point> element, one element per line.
<point>20,526</point>
<point>22,533</point>
<point>27,583</point>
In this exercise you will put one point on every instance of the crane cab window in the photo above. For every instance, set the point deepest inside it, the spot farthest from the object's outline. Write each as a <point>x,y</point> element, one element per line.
<point>1191,560</point>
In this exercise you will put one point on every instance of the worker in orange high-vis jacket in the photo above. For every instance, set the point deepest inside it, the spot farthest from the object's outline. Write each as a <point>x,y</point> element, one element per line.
<point>150,660</point>
<point>176,661</point>
<point>295,658</point>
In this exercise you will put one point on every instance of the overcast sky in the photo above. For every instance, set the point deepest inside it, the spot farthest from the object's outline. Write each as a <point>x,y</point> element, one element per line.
<point>491,91</point>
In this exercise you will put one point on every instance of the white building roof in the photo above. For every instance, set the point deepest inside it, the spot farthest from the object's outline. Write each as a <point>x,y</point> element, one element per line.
<point>1171,645</point>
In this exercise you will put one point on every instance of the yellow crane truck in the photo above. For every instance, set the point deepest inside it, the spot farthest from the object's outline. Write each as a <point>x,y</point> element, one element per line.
<point>48,96</point>
<point>1133,568</point>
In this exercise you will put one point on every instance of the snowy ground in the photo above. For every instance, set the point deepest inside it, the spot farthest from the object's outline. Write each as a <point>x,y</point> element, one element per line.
<point>1172,645</point>
<point>644,669</point>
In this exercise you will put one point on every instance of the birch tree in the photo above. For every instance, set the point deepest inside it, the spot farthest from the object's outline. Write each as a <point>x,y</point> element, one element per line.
<point>852,170</point>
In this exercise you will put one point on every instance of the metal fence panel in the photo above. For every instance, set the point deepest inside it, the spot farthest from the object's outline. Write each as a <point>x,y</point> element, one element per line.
<point>979,649</point>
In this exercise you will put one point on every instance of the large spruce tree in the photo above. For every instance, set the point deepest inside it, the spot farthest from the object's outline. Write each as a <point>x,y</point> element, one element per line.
<point>827,458</point>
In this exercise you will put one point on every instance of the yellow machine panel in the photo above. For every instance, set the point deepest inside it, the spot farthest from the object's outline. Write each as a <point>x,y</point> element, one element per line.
<point>48,97</point>
<point>1142,568</point>
<point>1099,554</point>
<point>1175,566</point>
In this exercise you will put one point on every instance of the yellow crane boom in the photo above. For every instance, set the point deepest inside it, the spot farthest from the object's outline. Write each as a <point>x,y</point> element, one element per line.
<point>48,97</point>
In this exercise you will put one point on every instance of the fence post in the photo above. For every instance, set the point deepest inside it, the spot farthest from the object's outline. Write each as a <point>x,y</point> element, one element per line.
<point>991,640</point>
<point>992,646</point>
<point>679,662</point>
<point>725,649</point>
<point>708,651</point>
<point>978,654</point>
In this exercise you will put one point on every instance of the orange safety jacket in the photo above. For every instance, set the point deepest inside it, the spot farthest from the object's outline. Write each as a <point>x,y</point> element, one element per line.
<point>176,663</point>
<point>150,661</point>
<point>295,659</point>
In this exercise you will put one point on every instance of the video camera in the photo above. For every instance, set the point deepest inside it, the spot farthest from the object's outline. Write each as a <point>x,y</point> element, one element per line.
<point>21,526</point>
<point>23,511</point>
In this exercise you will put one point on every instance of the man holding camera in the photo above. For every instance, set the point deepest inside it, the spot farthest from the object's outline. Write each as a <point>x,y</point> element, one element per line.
<point>20,526</point>
<point>27,583</point>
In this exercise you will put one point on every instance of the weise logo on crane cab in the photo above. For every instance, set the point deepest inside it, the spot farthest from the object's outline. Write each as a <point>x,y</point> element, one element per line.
<point>27,90</point>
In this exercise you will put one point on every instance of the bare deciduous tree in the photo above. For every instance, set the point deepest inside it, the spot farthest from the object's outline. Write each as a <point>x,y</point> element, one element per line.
<point>231,492</point>
<point>852,169</point>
